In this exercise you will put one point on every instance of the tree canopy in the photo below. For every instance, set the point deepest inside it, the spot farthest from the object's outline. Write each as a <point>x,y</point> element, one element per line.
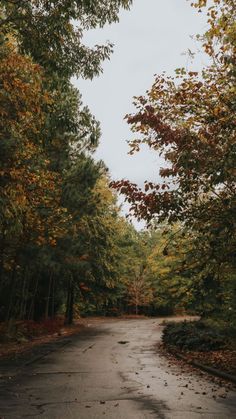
<point>64,247</point>
<point>58,218</point>
<point>189,120</point>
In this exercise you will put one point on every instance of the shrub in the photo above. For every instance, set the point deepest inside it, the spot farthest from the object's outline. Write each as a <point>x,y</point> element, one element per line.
<point>195,335</point>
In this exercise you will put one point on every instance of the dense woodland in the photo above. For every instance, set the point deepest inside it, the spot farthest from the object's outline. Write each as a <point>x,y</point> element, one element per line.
<point>65,249</point>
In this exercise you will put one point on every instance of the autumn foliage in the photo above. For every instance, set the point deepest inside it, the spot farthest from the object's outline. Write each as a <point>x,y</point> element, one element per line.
<point>64,247</point>
<point>58,218</point>
<point>189,120</point>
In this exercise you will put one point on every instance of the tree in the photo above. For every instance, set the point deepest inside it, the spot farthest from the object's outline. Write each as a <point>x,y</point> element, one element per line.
<point>52,32</point>
<point>191,123</point>
<point>29,190</point>
<point>49,210</point>
<point>139,293</point>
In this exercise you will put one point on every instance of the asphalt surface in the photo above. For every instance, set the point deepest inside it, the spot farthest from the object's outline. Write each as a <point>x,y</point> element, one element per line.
<point>110,370</point>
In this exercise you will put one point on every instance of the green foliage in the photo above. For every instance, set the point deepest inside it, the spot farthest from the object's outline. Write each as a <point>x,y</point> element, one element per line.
<point>52,32</point>
<point>58,219</point>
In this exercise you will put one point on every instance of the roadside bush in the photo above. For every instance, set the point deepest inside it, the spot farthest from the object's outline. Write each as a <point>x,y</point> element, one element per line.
<point>194,336</point>
<point>225,328</point>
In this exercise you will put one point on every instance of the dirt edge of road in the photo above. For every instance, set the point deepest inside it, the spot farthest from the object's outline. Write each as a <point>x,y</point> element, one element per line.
<point>206,368</point>
<point>13,349</point>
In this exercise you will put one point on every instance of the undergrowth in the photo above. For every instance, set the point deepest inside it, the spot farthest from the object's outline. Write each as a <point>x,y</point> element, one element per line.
<point>202,335</point>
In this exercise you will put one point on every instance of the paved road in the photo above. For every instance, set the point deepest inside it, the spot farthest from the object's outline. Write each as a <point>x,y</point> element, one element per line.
<point>111,370</point>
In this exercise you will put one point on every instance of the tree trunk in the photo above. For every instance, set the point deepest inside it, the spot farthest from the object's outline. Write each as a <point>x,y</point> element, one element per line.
<point>23,294</point>
<point>32,304</point>
<point>70,304</point>
<point>71,307</point>
<point>53,299</point>
<point>48,297</point>
<point>2,247</point>
<point>12,294</point>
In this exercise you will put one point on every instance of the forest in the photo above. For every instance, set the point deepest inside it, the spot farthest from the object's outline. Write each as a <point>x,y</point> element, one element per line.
<point>65,248</point>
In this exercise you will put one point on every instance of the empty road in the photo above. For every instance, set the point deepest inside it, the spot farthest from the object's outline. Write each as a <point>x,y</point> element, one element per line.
<point>110,370</point>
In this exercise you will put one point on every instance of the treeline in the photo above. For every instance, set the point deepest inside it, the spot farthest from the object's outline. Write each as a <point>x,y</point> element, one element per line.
<point>59,222</point>
<point>64,247</point>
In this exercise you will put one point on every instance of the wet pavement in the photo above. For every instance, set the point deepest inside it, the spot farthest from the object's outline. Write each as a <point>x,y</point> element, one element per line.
<point>110,370</point>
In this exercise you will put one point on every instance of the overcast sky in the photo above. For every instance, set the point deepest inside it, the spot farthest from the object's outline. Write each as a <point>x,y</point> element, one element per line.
<point>150,38</point>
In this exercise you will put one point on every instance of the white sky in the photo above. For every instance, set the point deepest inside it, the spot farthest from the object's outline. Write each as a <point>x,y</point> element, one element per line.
<point>150,38</point>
